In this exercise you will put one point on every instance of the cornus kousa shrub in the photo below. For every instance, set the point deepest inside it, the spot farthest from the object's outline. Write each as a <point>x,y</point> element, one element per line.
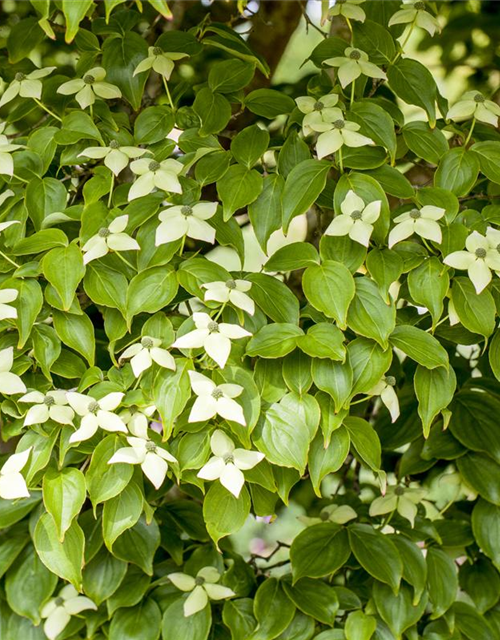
<point>249,356</point>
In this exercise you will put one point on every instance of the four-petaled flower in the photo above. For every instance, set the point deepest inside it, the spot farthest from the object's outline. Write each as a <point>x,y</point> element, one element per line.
<point>230,291</point>
<point>50,406</point>
<point>336,134</point>
<point>356,219</point>
<point>137,420</point>
<point>6,161</point>
<point>142,355</point>
<point>479,259</point>
<point>109,238</point>
<point>185,220</point>
<point>214,337</point>
<point>414,11</point>
<point>6,296</point>
<point>95,414</point>
<point>349,9</point>
<point>12,483</point>
<point>401,499</point>
<point>58,611</point>
<point>215,400</point>
<point>26,85</point>
<point>10,383</point>
<point>317,110</point>
<point>162,175</point>
<point>228,463</point>
<point>385,389</point>
<point>91,85</point>
<point>474,105</point>
<point>422,221</point>
<point>339,514</point>
<point>116,157</point>
<point>152,458</point>
<point>160,61</point>
<point>352,64</point>
<point>203,588</point>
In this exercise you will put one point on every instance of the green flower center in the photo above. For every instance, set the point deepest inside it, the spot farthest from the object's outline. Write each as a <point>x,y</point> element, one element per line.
<point>59,601</point>
<point>498,248</point>
<point>318,106</point>
<point>49,401</point>
<point>187,210</point>
<point>339,124</point>
<point>419,6</point>
<point>356,215</point>
<point>147,343</point>
<point>228,458</point>
<point>19,77</point>
<point>217,393</point>
<point>390,380</point>
<point>355,55</point>
<point>480,253</point>
<point>151,447</point>
<point>104,232</point>
<point>157,51</point>
<point>415,214</point>
<point>114,144</point>
<point>88,79</point>
<point>231,284</point>
<point>399,491</point>
<point>479,98</point>
<point>199,581</point>
<point>341,1</point>
<point>154,165</point>
<point>324,515</point>
<point>213,326</point>
<point>93,407</point>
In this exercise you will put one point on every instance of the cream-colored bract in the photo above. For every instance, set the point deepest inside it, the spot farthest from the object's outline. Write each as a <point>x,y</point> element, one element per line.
<point>116,157</point>
<point>404,500</point>
<point>160,61</point>
<point>26,85</point>
<point>356,219</point>
<point>203,588</point>
<point>152,458</point>
<point>110,238</point>
<point>162,175</point>
<point>413,12</point>
<point>215,400</point>
<point>142,355</point>
<point>422,221</point>
<point>179,221</point>
<point>353,64</point>
<point>52,405</point>
<point>10,383</point>
<point>58,611</point>
<point>233,291</point>
<point>12,483</point>
<point>96,414</point>
<point>480,259</point>
<point>91,85</point>
<point>385,389</point>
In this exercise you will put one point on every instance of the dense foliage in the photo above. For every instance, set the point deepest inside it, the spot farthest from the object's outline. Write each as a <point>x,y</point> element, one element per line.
<point>171,364</point>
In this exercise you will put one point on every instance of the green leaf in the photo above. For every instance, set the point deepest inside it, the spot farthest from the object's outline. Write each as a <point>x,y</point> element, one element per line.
<point>269,103</point>
<point>175,625</point>
<point>120,57</point>
<point>365,440</point>
<point>323,340</point>
<point>434,389</point>
<point>303,186</point>
<point>385,267</point>
<point>213,110</point>
<point>131,590</point>
<point>40,241</point>
<point>273,610</point>
<point>486,528</point>
<point>74,13</point>
<point>392,181</point>
<point>457,171</point>
<point>327,459</point>
<point>250,145</point>
<point>419,346</point>
<point>428,285</point>
<point>314,598</point>
<point>76,332</point>
<point>335,378</point>
<point>473,422</point>
<point>77,126</point>
<point>230,75</point>
<point>283,438</point>
<point>475,310</point>
<point>292,153</point>
<point>46,347</point>
<point>296,255</point>
<point>470,623</point>
<point>319,551</point>
<point>429,144</point>
<point>238,616</point>
<point>375,123</point>
<point>121,513</point>
<point>414,565</point>
<point>274,298</point>
<point>24,36</point>
<point>274,340</point>
<point>376,41</point>
<point>368,362</point>
<point>369,315</point>
<point>151,290</point>
<point>223,513</point>
<point>63,268</point>
<point>481,582</point>
<point>106,286</point>
<point>238,188</point>
<point>65,559</point>
<point>105,481</point>
<point>359,626</point>
<point>266,211</point>
<point>153,124</point>
<point>413,83</point>
<point>398,611</point>
<point>442,581</point>
<point>29,304</point>
<point>329,288</point>
<point>145,618</point>
<point>482,474</point>
<point>10,547</point>
<point>102,576</point>
<point>64,493</point>
<point>488,153</point>
<point>44,196</point>
<point>139,544</point>
<point>376,554</point>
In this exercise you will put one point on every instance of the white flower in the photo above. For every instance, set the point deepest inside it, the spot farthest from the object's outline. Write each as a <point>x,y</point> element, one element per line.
<point>160,61</point>
<point>6,161</point>
<point>12,483</point>
<point>479,259</point>
<point>202,588</point>
<point>137,420</point>
<point>402,499</point>
<point>9,382</point>
<point>152,458</point>
<point>316,110</point>
<point>26,85</point>
<point>109,238</point>
<point>474,105</point>
<point>91,85</point>
<point>422,221</point>
<point>145,352</point>
<point>116,157</point>
<point>231,291</point>
<point>417,14</point>
<point>228,463</point>
<point>95,414</point>
<point>162,175</point>
<point>336,134</point>
<point>215,400</point>
<point>6,296</point>
<point>353,64</point>
<point>339,514</point>
<point>349,9</point>
<point>214,337</point>
<point>356,219</point>
<point>58,611</point>
<point>179,221</point>
<point>385,389</point>
<point>53,405</point>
